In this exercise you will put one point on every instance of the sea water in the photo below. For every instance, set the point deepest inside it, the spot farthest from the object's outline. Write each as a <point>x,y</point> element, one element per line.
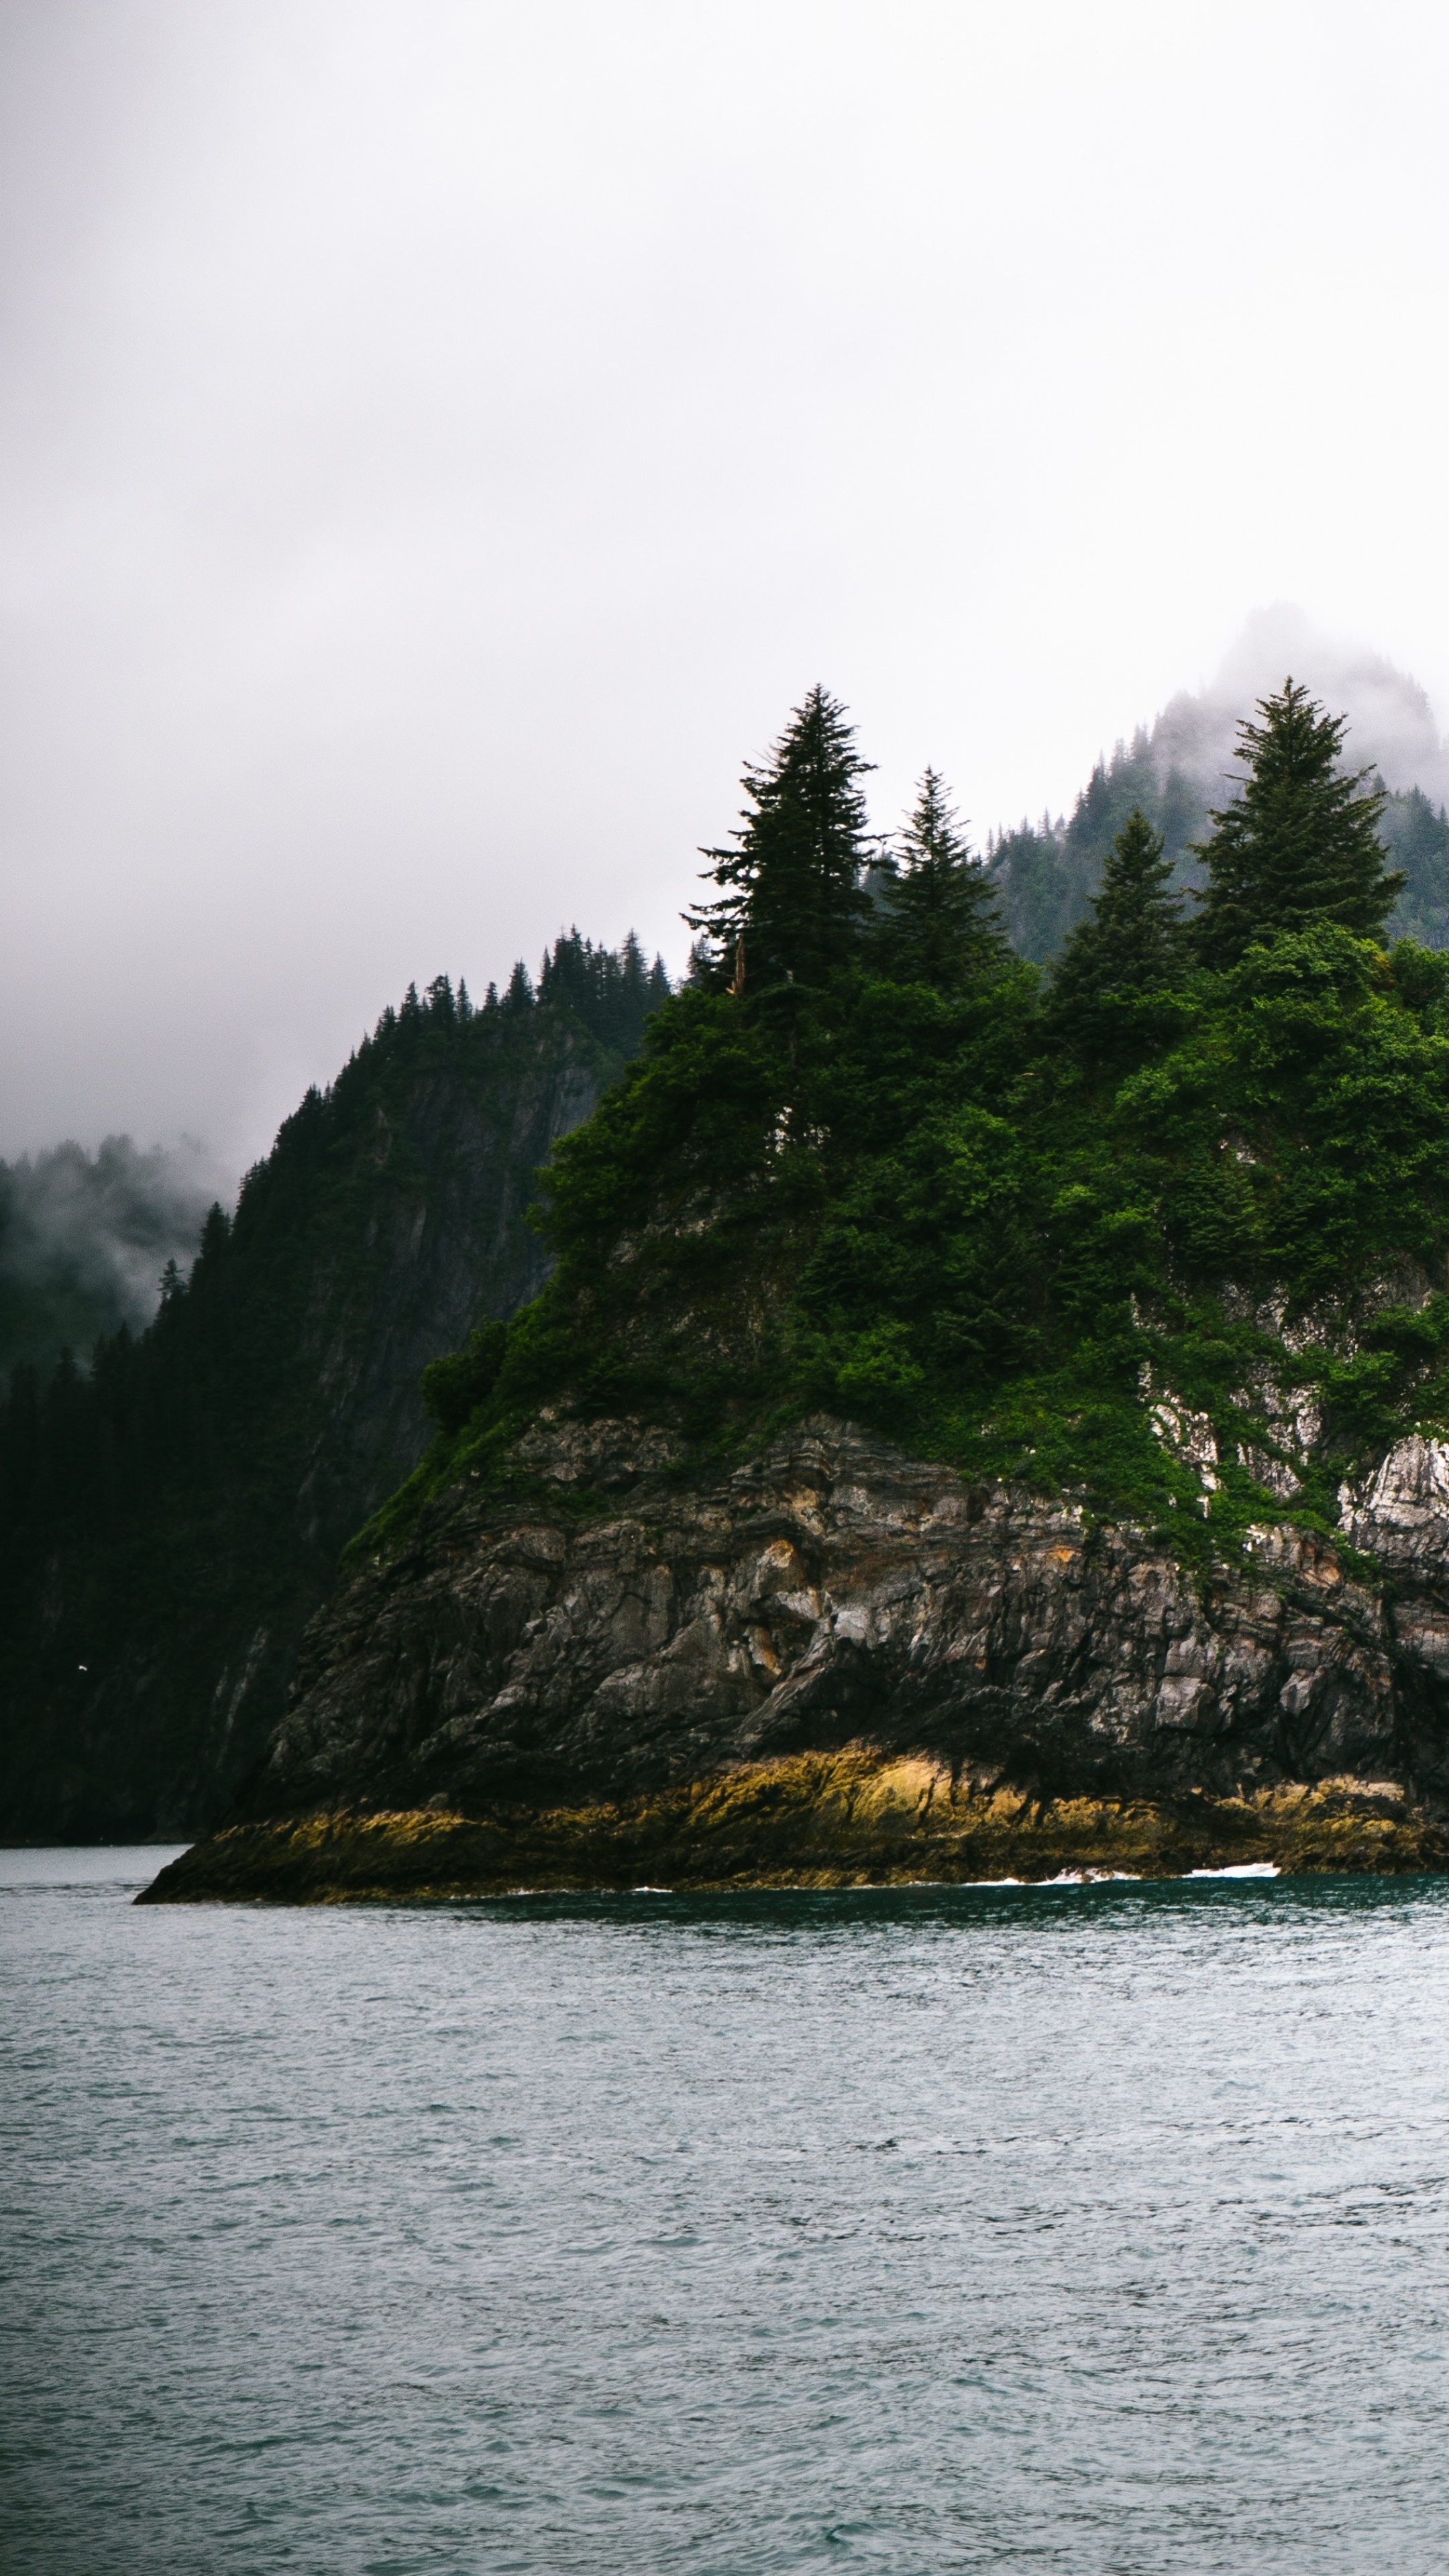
<point>1093,2229</point>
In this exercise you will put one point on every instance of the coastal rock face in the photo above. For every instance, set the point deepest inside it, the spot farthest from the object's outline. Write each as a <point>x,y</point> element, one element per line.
<point>616,1635</point>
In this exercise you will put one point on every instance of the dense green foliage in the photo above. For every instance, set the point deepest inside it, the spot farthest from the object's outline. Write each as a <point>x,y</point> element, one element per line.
<point>455,1385</point>
<point>938,920</point>
<point>1007,1226</point>
<point>1300,844</point>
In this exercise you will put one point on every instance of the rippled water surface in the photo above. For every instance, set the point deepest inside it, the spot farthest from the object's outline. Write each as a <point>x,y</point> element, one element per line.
<point>1080,2229</point>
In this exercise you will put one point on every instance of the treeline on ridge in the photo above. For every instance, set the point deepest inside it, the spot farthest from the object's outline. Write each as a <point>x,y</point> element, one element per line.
<point>173,1399</point>
<point>172,1512</point>
<point>871,1160</point>
<point>1047,872</point>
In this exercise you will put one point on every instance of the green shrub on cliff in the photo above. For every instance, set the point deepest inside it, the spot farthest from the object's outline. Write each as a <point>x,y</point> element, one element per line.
<point>454,1386</point>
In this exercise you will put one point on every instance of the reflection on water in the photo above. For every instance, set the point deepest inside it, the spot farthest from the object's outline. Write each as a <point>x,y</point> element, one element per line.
<point>1097,2229</point>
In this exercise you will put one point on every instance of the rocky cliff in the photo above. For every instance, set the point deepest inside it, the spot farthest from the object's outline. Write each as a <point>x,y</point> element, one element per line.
<point>841,1663</point>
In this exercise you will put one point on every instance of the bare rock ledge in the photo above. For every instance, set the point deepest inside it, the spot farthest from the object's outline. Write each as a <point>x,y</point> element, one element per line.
<point>842,1665</point>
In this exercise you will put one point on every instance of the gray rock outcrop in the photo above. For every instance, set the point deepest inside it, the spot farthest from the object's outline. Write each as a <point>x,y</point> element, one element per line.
<point>617,1632</point>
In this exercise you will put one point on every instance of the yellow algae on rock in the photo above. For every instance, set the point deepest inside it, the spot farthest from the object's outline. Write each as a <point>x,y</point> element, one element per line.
<point>857,1818</point>
<point>836,1665</point>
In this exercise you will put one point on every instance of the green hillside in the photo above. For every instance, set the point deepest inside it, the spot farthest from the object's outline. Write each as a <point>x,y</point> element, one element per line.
<point>1183,1201</point>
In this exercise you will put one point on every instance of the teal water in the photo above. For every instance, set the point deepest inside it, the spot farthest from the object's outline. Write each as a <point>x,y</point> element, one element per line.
<point>1099,2230</point>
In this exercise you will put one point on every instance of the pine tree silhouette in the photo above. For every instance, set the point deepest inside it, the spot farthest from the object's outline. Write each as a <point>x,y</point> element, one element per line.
<point>792,884</point>
<point>1300,844</point>
<point>939,921</point>
<point>1105,996</point>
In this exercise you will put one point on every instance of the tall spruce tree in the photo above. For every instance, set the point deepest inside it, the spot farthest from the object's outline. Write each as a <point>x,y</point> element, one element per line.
<point>1106,1002</point>
<point>792,907</point>
<point>1300,844</point>
<point>939,921</point>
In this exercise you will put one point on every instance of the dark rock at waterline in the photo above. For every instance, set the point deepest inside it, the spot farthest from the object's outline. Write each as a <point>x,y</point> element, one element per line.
<point>570,1684</point>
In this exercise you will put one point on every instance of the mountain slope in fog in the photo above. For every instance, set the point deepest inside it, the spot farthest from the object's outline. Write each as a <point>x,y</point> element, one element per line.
<point>171,1520</point>
<point>1182,766</point>
<point>84,1240</point>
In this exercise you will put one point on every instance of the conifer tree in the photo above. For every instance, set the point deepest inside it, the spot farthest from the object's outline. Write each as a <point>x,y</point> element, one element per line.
<point>791,888</point>
<point>1105,996</point>
<point>632,970</point>
<point>939,921</point>
<point>1300,844</point>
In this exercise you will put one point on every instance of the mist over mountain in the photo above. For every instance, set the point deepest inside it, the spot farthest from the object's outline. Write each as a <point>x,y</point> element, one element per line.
<point>85,1237</point>
<point>1182,765</point>
<point>171,1514</point>
<point>85,1240</point>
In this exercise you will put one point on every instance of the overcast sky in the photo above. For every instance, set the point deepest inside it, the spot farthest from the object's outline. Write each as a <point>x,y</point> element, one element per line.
<point>441,441</point>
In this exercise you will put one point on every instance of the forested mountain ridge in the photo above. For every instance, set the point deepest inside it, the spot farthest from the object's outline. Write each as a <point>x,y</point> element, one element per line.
<point>171,1518</point>
<point>871,1167</point>
<point>1042,1388</point>
<point>1182,765</point>
<point>1047,872</point>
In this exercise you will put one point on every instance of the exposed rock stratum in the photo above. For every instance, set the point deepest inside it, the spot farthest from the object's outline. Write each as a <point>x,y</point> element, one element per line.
<point>840,1663</point>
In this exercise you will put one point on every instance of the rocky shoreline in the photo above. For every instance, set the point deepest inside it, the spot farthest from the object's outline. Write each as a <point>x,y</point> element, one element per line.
<point>843,1665</point>
<point>856,1819</point>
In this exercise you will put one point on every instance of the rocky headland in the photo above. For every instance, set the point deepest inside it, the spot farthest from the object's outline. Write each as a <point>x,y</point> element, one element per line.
<point>840,1664</point>
<point>970,1430</point>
